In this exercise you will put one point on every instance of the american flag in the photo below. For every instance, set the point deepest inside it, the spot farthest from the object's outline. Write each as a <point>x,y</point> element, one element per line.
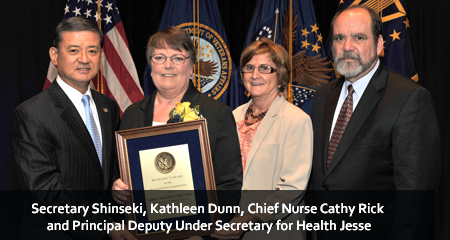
<point>118,77</point>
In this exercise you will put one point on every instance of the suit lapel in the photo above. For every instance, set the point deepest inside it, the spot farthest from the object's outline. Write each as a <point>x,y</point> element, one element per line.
<point>368,101</point>
<point>74,122</point>
<point>104,116</point>
<point>328,114</point>
<point>191,95</point>
<point>145,117</point>
<point>263,128</point>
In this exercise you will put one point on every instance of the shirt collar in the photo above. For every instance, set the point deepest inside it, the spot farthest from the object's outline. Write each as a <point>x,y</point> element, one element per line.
<point>73,94</point>
<point>360,85</point>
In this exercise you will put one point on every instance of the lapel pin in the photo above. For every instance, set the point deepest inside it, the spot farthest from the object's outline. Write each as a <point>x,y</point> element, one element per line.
<point>105,110</point>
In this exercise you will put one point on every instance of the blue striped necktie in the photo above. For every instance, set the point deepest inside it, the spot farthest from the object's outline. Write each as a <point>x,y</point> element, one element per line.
<point>92,127</point>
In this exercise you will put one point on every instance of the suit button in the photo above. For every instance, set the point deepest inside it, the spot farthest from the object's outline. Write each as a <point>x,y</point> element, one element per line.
<point>325,187</point>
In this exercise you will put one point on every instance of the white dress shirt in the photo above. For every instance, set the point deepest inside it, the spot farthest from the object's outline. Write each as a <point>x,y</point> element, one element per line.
<point>359,86</point>
<point>75,96</point>
<point>157,123</point>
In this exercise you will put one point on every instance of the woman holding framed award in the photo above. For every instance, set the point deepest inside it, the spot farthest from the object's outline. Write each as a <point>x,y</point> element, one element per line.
<point>172,56</point>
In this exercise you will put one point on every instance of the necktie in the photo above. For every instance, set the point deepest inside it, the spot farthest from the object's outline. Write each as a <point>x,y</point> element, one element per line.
<point>341,123</point>
<point>92,127</point>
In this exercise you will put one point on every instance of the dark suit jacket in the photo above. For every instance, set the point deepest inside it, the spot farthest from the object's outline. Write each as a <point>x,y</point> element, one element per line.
<point>391,141</point>
<point>223,138</point>
<point>52,149</point>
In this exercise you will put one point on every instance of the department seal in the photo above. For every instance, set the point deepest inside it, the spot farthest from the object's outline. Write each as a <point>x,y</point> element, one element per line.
<point>164,162</point>
<point>214,66</point>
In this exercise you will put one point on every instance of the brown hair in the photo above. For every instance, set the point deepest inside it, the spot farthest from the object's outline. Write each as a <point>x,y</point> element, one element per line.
<point>173,38</point>
<point>278,54</point>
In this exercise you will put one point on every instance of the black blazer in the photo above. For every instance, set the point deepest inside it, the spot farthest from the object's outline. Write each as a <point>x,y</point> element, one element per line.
<point>223,139</point>
<point>391,141</point>
<point>52,150</point>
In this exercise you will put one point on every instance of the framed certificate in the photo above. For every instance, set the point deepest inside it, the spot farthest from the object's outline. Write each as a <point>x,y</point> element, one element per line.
<point>168,169</point>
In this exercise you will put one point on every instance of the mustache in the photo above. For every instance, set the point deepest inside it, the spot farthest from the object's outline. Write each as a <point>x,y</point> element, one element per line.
<point>349,55</point>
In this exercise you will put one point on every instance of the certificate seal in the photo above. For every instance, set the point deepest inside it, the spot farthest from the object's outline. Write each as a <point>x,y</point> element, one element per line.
<point>164,162</point>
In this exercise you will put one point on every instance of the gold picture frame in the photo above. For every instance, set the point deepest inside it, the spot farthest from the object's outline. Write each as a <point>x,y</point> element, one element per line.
<point>156,160</point>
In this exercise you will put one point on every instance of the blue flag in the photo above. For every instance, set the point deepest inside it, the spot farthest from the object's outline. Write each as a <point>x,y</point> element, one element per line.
<point>214,71</point>
<point>398,54</point>
<point>309,61</point>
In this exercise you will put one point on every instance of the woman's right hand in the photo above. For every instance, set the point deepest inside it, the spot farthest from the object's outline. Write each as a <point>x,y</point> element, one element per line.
<point>120,192</point>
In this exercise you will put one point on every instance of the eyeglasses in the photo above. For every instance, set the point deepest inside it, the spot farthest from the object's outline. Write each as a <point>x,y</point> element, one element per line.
<point>177,59</point>
<point>264,69</point>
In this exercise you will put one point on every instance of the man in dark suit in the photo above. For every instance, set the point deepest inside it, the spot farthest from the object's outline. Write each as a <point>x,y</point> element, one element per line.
<point>63,138</point>
<point>383,135</point>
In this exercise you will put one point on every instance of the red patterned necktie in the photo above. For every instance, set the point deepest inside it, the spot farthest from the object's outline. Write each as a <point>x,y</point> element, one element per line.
<point>341,124</point>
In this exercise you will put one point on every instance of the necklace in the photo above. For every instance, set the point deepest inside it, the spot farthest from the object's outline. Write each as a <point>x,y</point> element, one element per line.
<point>258,117</point>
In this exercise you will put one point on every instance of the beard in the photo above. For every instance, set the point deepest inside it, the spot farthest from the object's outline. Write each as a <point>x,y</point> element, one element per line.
<point>352,69</point>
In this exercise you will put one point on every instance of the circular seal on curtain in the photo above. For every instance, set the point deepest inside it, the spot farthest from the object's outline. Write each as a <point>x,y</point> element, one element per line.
<point>213,68</point>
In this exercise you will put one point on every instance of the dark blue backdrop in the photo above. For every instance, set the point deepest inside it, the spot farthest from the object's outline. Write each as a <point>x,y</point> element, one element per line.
<point>27,28</point>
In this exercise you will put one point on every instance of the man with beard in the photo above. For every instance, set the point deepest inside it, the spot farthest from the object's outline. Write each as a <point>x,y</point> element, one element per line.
<point>373,130</point>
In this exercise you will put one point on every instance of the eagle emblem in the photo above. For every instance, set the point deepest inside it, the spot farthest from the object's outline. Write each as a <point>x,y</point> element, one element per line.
<point>309,71</point>
<point>164,162</point>
<point>204,70</point>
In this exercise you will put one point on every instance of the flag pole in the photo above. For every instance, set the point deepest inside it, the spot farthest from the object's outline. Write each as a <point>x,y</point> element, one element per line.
<point>198,47</point>
<point>100,75</point>
<point>276,25</point>
<point>290,97</point>
<point>194,27</point>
